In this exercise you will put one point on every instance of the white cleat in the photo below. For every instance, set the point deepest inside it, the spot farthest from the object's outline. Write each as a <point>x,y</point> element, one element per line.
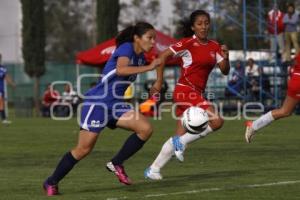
<point>250,132</point>
<point>6,122</point>
<point>178,148</point>
<point>152,174</point>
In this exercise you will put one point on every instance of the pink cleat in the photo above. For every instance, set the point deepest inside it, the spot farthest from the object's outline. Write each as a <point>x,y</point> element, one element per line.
<point>119,172</point>
<point>50,190</point>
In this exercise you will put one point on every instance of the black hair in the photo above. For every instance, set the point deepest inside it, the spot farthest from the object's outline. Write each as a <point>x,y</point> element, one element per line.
<point>128,33</point>
<point>290,4</point>
<point>188,23</point>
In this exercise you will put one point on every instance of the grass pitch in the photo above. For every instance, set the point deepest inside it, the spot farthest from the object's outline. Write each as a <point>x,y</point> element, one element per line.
<point>221,166</point>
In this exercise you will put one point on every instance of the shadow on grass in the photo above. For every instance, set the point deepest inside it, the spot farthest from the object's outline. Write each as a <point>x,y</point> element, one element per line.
<point>169,182</point>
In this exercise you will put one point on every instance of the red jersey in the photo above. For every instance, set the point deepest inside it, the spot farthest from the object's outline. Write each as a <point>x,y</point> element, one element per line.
<point>197,61</point>
<point>275,18</point>
<point>296,67</point>
<point>50,97</point>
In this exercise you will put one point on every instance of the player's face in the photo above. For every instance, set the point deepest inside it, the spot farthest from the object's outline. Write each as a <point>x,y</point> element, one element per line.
<point>201,27</point>
<point>146,41</point>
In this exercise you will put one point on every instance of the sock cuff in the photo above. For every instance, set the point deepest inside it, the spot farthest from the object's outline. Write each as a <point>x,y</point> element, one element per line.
<point>137,138</point>
<point>71,158</point>
<point>270,116</point>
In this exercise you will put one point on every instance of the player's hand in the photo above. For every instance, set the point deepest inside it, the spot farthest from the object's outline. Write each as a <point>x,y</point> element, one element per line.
<point>225,51</point>
<point>155,89</point>
<point>155,63</point>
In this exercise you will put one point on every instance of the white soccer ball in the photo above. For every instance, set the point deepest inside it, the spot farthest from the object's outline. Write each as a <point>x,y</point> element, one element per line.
<point>194,120</point>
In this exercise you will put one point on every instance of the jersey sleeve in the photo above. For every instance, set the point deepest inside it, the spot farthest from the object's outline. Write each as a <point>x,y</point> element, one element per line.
<point>219,57</point>
<point>178,47</point>
<point>124,50</point>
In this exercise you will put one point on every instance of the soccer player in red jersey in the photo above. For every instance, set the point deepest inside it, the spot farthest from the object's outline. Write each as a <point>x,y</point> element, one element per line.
<point>199,55</point>
<point>291,100</point>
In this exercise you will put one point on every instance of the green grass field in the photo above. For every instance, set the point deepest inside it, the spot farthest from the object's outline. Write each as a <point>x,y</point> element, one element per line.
<point>221,166</point>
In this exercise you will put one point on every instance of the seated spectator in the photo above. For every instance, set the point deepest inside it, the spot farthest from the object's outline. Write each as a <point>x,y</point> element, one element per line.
<point>236,83</point>
<point>69,96</point>
<point>49,97</point>
<point>252,79</point>
<point>251,69</point>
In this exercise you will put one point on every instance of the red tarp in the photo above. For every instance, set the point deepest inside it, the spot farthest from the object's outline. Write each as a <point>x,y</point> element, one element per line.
<point>99,54</point>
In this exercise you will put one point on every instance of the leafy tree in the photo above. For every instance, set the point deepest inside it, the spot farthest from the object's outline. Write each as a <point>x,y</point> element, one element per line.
<point>69,26</point>
<point>107,19</point>
<point>139,10</point>
<point>33,48</point>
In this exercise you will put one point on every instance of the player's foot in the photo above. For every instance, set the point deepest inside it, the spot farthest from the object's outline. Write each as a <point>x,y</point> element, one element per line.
<point>249,134</point>
<point>6,122</point>
<point>178,148</point>
<point>50,190</point>
<point>119,171</point>
<point>152,174</point>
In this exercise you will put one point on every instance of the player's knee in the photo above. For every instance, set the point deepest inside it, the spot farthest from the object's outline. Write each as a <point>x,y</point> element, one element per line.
<point>217,123</point>
<point>81,152</point>
<point>285,113</point>
<point>146,130</point>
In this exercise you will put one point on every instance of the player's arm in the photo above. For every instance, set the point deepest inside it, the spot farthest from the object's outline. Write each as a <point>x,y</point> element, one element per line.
<point>9,80</point>
<point>123,68</point>
<point>156,87</point>
<point>224,65</point>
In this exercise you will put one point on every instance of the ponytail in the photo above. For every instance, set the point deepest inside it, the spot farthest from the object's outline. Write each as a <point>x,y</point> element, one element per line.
<point>185,27</point>
<point>127,35</point>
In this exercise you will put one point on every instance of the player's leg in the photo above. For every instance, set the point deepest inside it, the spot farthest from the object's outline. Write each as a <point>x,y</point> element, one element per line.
<point>2,109</point>
<point>85,145</point>
<point>142,129</point>
<point>165,154</point>
<point>2,113</point>
<point>285,110</point>
<point>180,143</point>
<point>86,142</point>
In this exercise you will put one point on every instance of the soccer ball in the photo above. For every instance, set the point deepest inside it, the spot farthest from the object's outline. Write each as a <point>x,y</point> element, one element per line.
<point>194,120</point>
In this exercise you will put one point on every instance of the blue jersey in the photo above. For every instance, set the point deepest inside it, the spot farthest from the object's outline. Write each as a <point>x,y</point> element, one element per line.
<point>104,104</point>
<point>3,72</point>
<point>112,87</point>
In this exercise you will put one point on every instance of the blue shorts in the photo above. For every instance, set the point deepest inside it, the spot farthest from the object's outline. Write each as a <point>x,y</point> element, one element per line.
<point>1,93</point>
<point>96,116</point>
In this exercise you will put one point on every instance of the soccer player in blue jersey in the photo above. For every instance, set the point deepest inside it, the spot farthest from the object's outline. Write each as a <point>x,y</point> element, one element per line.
<point>4,77</point>
<point>104,106</point>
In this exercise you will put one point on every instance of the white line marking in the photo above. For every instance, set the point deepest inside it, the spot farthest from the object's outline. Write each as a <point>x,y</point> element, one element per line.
<point>211,190</point>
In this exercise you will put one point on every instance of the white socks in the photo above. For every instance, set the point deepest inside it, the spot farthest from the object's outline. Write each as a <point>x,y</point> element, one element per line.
<point>167,149</point>
<point>188,137</point>
<point>164,155</point>
<point>263,121</point>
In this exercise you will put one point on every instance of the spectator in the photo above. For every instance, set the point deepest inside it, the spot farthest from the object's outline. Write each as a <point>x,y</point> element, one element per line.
<point>265,84</point>
<point>50,96</point>
<point>236,83</point>
<point>275,30</point>
<point>290,20</point>
<point>252,77</point>
<point>69,96</point>
<point>251,69</point>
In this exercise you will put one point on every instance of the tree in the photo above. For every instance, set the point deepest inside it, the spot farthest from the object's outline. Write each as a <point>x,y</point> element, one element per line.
<point>107,19</point>
<point>69,26</point>
<point>139,10</point>
<point>33,48</point>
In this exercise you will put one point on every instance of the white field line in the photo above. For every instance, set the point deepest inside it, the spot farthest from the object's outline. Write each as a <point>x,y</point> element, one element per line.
<point>211,190</point>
